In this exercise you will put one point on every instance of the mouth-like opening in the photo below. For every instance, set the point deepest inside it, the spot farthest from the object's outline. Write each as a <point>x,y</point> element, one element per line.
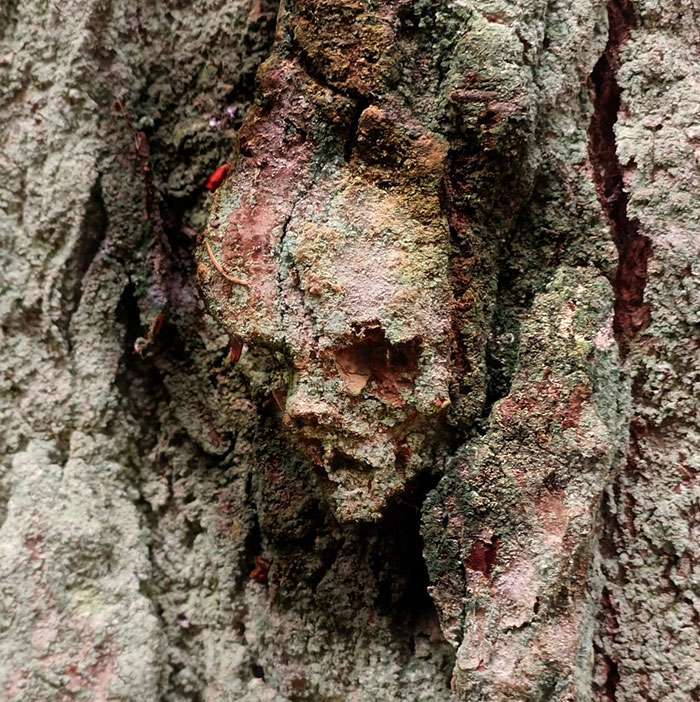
<point>371,361</point>
<point>343,462</point>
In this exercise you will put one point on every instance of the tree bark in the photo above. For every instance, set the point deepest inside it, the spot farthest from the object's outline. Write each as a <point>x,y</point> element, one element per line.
<point>402,403</point>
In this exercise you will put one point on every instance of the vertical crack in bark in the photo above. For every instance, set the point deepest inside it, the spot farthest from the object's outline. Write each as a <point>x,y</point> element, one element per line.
<point>79,257</point>
<point>631,312</point>
<point>361,106</point>
<point>611,680</point>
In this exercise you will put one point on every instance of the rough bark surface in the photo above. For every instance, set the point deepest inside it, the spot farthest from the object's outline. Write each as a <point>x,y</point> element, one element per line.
<point>442,442</point>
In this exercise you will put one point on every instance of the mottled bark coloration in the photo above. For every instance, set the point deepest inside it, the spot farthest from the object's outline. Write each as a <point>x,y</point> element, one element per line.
<point>349,350</point>
<point>647,636</point>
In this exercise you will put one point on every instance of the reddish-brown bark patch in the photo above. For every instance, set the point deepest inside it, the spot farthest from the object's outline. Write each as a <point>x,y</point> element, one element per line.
<point>574,407</point>
<point>483,554</point>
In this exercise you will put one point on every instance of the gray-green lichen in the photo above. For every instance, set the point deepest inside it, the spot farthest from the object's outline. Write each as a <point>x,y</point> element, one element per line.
<point>132,448</point>
<point>510,571</point>
<point>162,538</point>
<point>648,633</point>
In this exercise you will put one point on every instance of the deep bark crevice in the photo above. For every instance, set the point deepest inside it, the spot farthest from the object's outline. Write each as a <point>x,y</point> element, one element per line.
<point>361,105</point>
<point>631,311</point>
<point>401,571</point>
<point>93,230</point>
<point>612,679</point>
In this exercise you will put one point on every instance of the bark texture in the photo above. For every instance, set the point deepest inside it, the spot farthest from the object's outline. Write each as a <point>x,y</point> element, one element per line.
<point>442,443</point>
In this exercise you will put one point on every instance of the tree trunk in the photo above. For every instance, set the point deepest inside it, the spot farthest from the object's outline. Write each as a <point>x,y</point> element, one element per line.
<point>349,350</point>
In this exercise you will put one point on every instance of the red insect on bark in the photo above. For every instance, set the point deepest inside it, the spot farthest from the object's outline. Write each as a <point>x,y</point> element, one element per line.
<point>236,350</point>
<point>157,326</point>
<point>218,177</point>
<point>259,574</point>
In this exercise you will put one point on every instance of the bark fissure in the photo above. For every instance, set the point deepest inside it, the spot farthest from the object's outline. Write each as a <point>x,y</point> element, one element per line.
<point>284,253</point>
<point>93,231</point>
<point>611,680</point>
<point>362,102</point>
<point>351,140</point>
<point>631,311</point>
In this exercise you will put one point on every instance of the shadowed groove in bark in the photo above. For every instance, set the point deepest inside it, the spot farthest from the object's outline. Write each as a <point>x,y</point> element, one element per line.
<point>612,679</point>
<point>403,579</point>
<point>361,106</point>
<point>93,231</point>
<point>631,312</point>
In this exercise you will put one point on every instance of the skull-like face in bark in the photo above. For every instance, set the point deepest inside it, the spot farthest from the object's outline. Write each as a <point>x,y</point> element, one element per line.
<point>348,280</point>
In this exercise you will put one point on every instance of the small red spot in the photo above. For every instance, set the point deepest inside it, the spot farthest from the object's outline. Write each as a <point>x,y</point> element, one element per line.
<point>259,573</point>
<point>482,556</point>
<point>299,684</point>
<point>218,177</point>
<point>236,350</point>
<point>157,326</point>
